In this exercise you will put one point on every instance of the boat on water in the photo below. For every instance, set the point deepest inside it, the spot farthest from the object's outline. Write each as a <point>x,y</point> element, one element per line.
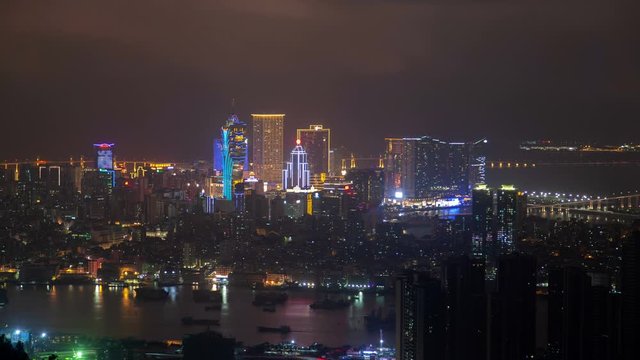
<point>170,276</point>
<point>4,299</point>
<point>329,304</point>
<point>204,295</point>
<point>270,297</point>
<point>284,329</point>
<point>151,293</point>
<point>73,279</point>
<point>116,284</point>
<point>188,320</point>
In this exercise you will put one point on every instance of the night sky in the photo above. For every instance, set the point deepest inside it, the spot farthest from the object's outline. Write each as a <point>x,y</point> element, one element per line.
<point>157,77</point>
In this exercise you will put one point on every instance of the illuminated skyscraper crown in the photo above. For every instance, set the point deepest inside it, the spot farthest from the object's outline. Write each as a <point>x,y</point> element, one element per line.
<point>296,172</point>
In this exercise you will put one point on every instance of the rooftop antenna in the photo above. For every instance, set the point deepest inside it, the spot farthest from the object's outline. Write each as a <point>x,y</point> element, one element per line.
<point>233,105</point>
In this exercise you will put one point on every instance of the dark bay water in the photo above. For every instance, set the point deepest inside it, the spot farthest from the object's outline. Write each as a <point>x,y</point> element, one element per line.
<point>113,312</point>
<point>594,180</point>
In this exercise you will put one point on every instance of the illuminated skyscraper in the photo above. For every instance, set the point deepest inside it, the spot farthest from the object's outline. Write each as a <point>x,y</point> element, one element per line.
<point>426,167</point>
<point>317,143</point>
<point>230,157</point>
<point>510,209</point>
<point>104,156</point>
<point>268,135</point>
<point>400,166</point>
<point>296,173</point>
<point>478,174</point>
<point>482,208</point>
<point>238,146</point>
<point>227,165</point>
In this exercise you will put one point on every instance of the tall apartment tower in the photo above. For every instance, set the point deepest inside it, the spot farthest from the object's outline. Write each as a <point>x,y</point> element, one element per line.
<point>512,320</point>
<point>420,322</point>
<point>317,142</point>
<point>571,316</point>
<point>268,137</point>
<point>510,210</point>
<point>631,294</point>
<point>466,310</point>
<point>482,210</point>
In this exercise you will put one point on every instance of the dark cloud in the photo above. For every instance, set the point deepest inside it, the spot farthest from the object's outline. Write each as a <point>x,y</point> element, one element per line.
<point>157,77</point>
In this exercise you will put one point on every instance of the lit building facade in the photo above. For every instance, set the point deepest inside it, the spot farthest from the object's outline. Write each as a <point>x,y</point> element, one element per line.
<point>230,154</point>
<point>425,167</point>
<point>104,156</point>
<point>510,209</point>
<point>296,173</point>
<point>482,210</point>
<point>497,215</point>
<point>268,137</point>
<point>317,143</point>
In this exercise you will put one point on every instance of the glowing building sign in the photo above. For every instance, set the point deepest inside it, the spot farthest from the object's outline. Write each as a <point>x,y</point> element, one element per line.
<point>104,156</point>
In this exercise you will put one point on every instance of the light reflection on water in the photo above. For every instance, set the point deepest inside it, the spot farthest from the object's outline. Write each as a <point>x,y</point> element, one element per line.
<point>114,312</point>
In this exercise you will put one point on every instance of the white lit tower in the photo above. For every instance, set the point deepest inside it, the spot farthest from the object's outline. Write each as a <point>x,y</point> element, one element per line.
<point>296,173</point>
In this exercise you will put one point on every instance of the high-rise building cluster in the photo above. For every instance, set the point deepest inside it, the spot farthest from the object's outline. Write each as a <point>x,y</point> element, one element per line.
<point>420,170</point>
<point>412,169</point>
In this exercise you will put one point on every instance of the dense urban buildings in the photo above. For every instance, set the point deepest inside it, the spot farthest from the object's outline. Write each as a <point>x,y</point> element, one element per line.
<point>479,269</point>
<point>476,272</point>
<point>490,273</point>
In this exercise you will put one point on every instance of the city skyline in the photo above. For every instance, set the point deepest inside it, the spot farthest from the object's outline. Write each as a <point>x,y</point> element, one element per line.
<point>337,180</point>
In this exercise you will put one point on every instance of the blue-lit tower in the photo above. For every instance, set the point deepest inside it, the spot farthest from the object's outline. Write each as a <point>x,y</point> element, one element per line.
<point>296,173</point>
<point>227,166</point>
<point>230,155</point>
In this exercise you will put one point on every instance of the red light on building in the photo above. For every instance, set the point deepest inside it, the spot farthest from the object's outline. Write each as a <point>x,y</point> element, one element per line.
<point>103,146</point>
